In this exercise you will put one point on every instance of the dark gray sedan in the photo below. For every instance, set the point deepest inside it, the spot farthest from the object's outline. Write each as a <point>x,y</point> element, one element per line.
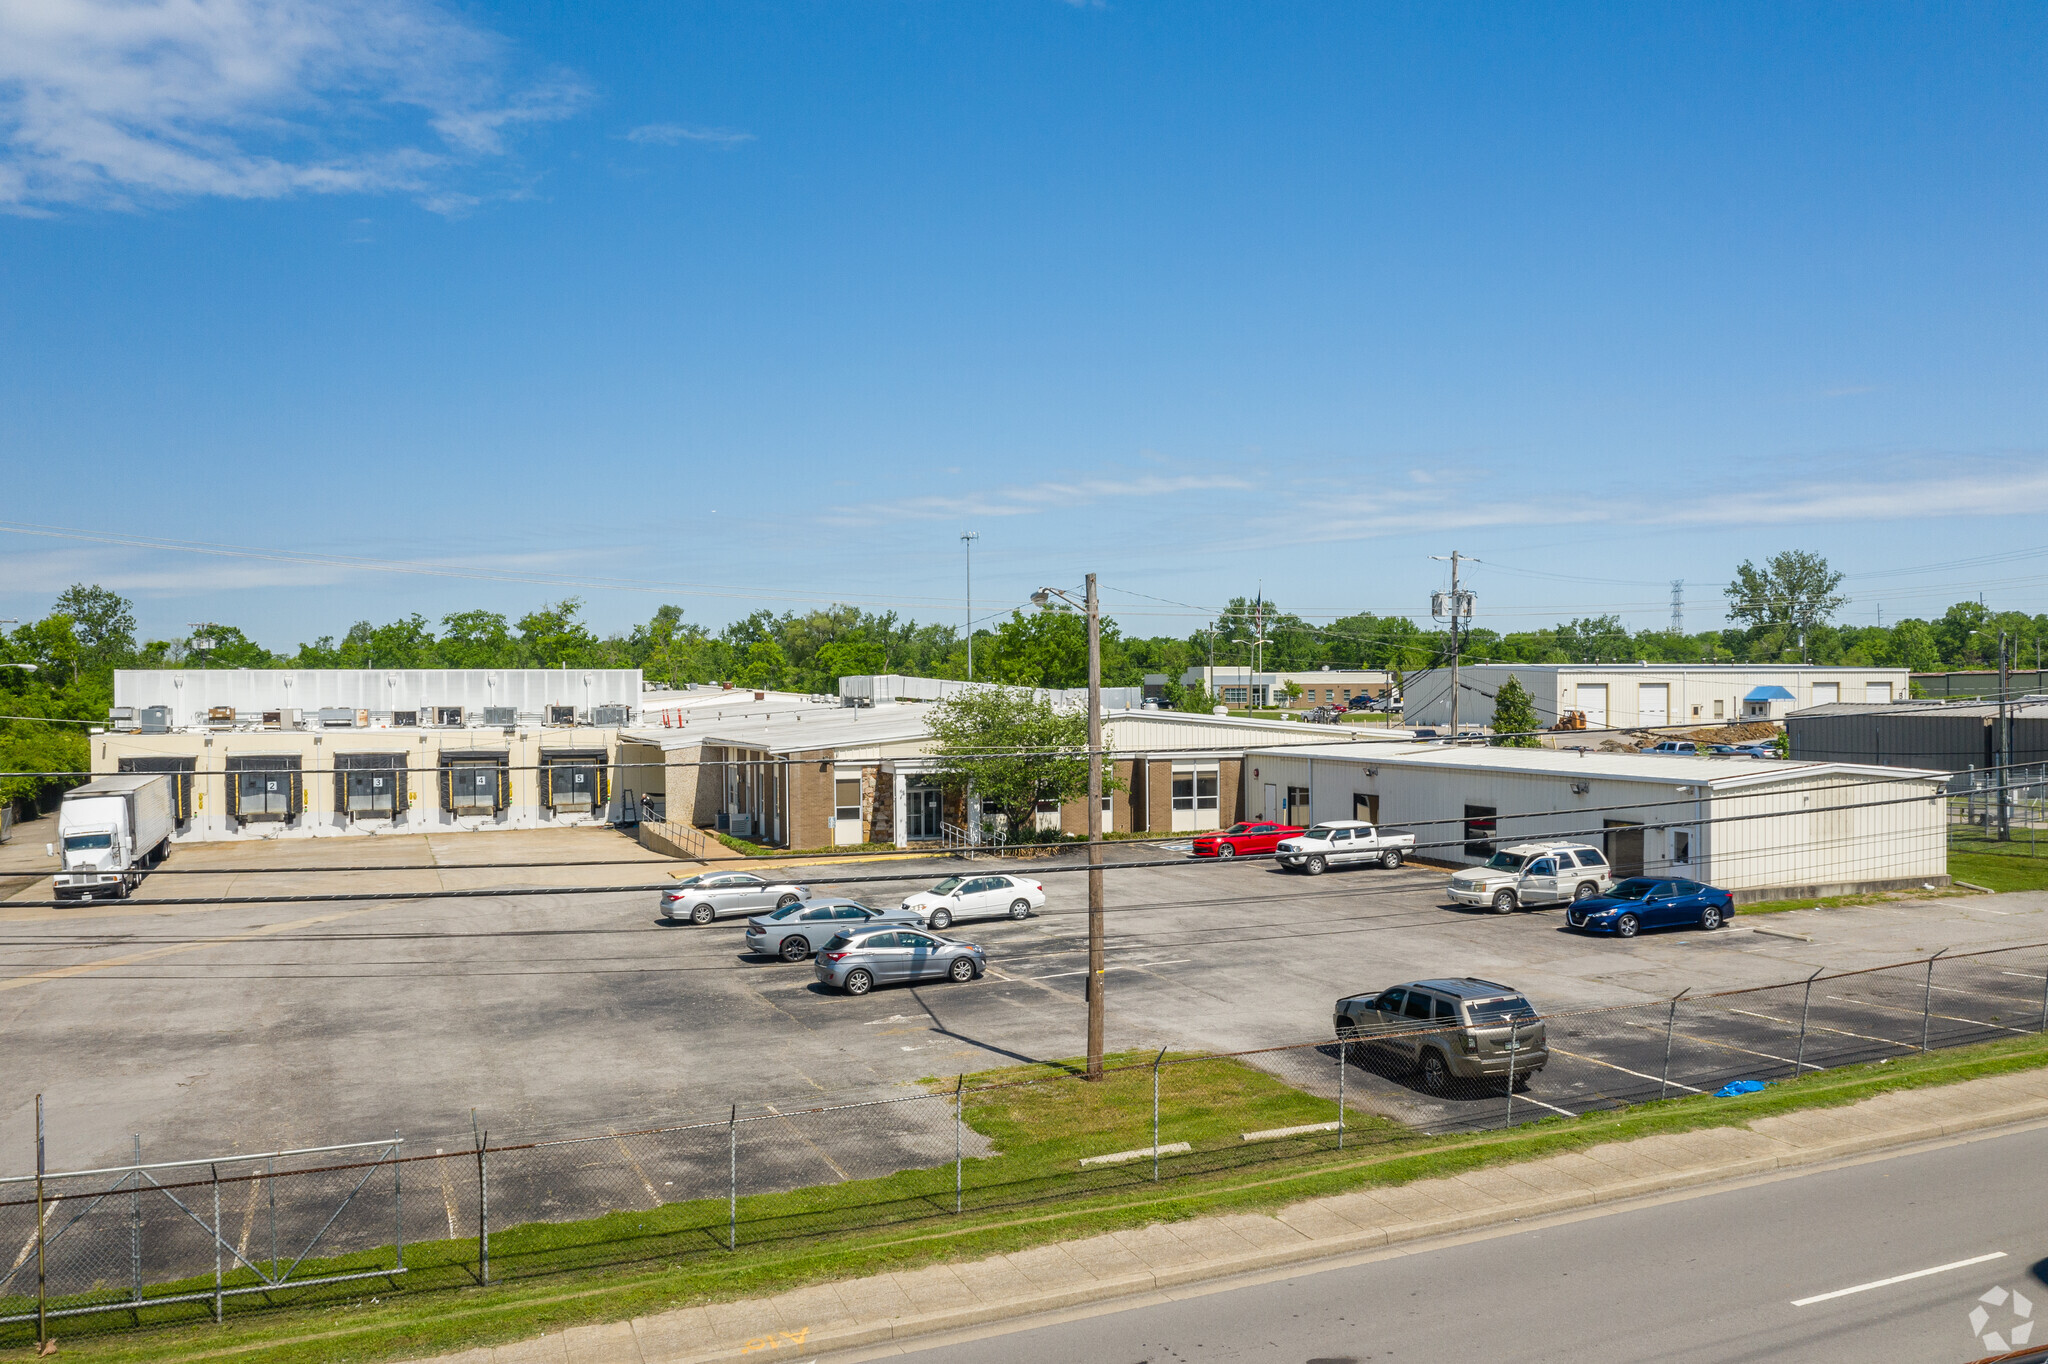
<point>857,962</point>
<point>795,931</point>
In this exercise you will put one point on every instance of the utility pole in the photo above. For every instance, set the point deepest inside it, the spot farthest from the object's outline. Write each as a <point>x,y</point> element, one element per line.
<point>967,539</point>
<point>2004,744</point>
<point>1095,945</point>
<point>1094,834</point>
<point>1459,604</point>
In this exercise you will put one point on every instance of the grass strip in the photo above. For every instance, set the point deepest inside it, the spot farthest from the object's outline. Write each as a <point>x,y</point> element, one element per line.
<point>443,1311</point>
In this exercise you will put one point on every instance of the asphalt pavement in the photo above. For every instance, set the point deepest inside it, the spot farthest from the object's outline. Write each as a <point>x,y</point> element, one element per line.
<point>1885,1259</point>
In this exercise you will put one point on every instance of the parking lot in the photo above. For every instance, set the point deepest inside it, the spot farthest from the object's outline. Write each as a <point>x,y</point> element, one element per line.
<point>254,1027</point>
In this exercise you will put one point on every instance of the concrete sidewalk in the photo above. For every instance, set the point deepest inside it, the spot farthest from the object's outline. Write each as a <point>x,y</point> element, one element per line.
<point>886,1308</point>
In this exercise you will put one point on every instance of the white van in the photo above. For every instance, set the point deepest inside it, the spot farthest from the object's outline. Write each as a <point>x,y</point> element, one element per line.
<point>1534,874</point>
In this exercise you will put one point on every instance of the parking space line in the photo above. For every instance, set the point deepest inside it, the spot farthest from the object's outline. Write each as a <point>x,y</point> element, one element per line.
<point>1531,1099</point>
<point>1895,1008</point>
<point>1816,1027</point>
<point>645,1182</point>
<point>1624,1069</point>
<point>1898,1278</point>
<point>1730,1046</point>
<point>1113,966</point>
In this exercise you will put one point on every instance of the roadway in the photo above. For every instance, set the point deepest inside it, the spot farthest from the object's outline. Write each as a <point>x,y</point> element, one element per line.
<point>1826,1265</point>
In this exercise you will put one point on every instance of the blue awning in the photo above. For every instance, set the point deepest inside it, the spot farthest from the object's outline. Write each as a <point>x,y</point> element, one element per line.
<point>1770,694</point>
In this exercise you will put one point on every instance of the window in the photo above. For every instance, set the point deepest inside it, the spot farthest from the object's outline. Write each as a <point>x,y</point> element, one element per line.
<point>1446,1009</point>
<point>846,798</point>
<point>915,940</point>
<point>1499,1010</point>
<point>1340,835</point>
<point>1591,858</point>
<point>818,915</point>
<point>1233,696</point>
<point>1418,1005</point>
<point>1543,867</point>
<point>1194,788</point>
<point>848,912</point>
<point>742,878</point>
<point>882,940</point>
<point>1479,825</point>
<point>1681,846</point>
<point>88,842</point>
<point>1390,1002</point>
<point>1718,713</point>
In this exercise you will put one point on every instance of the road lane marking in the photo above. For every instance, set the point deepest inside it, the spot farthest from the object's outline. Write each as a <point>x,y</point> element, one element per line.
<point>1898,1278</point>
<point>1577,1056</point>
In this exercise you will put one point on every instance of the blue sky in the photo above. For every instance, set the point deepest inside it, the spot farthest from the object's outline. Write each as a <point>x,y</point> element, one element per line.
<point>763,305</point>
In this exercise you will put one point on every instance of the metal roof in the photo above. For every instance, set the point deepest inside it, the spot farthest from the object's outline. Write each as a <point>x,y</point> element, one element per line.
<point>1720,772</point>
<point>1769,694</point>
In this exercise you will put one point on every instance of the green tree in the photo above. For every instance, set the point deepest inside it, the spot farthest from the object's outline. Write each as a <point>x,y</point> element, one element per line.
<point>1514,716</point>
<point>553,637</point>
<point>1782,602</point>
<point>104,623</point>
<point>1047,648</point>
<point>1014,749</point>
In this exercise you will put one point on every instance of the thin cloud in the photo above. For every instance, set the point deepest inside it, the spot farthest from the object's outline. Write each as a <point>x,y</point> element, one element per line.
<point>1025,499</point>
<point>671,134</point>
<point>1952,490</point>
<point>116,103</point>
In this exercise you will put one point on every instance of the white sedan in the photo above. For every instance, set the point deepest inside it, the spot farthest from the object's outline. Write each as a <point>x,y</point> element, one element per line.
<point>976,897</point>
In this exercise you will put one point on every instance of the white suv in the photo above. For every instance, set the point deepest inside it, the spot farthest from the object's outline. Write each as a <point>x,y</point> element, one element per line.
<point>1534,874</point>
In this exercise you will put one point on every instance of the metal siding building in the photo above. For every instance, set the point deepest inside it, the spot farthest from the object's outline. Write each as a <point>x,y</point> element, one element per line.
<point>1957,737</point>
<point>190,693</point>
<point>1632,696</point>
<point>1762,829</point>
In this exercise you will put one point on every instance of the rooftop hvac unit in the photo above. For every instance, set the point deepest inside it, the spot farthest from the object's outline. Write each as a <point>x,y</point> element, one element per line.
<point>121,717</point>
<point>287,717</point>
<point>448,717</point>
<point>221,715</point>
<point>611,715</point>
<point>561,715</point>
<point>405,719</point>
<point>337,717</point>
<point>500,715</point>
<point>156,720</point>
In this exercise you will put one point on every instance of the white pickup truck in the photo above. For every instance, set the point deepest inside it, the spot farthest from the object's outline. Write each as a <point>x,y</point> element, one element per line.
<point>1344,842</point>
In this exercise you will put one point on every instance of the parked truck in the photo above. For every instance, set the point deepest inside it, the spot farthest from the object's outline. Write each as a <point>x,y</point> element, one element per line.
<point>1342,843</point>
<point>111,831</point>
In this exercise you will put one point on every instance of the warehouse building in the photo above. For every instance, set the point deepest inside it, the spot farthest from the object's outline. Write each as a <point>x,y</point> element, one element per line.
<point>297,753</point>
<point>1764,830</point>
<point>1646,696</point>
<point>1955,737</point>
<point>1270,690</point>
<point>836,776</point>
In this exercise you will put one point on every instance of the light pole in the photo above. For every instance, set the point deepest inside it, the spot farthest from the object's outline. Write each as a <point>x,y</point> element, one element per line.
<point>1095,1011</point>
<point>967,539</point>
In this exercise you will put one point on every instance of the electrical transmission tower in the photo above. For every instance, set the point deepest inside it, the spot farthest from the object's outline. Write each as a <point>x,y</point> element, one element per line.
<point>1678,606</point>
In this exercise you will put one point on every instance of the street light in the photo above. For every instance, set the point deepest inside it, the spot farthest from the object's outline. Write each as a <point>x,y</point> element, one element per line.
<point>1043,597</point>
<point>967,540</point>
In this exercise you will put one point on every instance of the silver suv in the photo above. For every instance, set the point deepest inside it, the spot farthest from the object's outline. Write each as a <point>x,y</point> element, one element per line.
<point>1534,874</point>
<point>1447,1030</point>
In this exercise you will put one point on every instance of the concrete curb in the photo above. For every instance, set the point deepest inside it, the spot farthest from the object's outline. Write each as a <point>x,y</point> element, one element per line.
<point>1136,1285</point>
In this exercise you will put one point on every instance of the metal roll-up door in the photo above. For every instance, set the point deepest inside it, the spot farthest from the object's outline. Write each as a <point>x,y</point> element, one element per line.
<point>370,785</point>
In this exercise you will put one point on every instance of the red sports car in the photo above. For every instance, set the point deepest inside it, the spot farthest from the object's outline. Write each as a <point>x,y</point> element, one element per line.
<point>1239,839</point>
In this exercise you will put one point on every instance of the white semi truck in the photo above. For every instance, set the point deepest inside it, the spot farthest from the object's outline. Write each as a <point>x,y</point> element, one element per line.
<point>110,831</point>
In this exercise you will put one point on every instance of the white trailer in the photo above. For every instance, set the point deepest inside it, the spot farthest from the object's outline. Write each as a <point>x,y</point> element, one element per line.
<point>110,831</point>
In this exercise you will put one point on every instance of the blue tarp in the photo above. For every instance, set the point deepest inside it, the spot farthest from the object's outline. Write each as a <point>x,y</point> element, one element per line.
<point>1735,1087</point>
<point>1770,694</point>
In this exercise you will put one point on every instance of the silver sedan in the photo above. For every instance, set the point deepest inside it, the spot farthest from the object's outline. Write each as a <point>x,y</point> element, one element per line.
<point>858,962</point>
<point>797,930</point>
<point>713,894</point>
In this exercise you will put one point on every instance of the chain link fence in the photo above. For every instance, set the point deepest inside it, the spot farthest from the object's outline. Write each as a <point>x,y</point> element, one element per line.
<point>147,1242</point>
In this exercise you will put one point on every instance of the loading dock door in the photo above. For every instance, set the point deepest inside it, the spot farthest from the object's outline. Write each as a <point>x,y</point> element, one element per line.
<point>263,795</point>
<point>473,788</point>
<point>371,795</point>
<point>1624,839</point>
<point>1653,705</point>
<point>1593,701</point>
<point>572,787</point>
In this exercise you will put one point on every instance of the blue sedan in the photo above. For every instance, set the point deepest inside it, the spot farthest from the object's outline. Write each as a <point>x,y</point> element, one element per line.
<point>1643,902</point>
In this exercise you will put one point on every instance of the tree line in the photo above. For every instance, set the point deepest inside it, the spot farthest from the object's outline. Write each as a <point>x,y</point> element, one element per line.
<point>1782,611</point>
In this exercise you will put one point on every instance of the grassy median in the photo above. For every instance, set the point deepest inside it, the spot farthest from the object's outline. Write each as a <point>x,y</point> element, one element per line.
<point>629,1264</point>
